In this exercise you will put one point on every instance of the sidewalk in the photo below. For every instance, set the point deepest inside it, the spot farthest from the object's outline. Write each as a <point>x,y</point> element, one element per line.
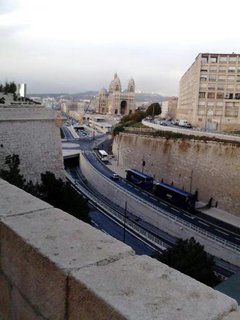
<point>213,212</point>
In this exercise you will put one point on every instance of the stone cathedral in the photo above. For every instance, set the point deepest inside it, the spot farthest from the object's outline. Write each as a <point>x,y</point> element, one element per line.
<point>115,101</point>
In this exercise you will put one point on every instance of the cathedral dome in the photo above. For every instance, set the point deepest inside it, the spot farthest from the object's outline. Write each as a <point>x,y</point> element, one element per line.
<point>103,92</point>
<point>115,84</point>
<point>131,85</point>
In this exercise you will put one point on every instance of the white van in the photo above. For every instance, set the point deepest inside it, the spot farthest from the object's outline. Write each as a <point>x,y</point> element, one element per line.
<point>185,123</point>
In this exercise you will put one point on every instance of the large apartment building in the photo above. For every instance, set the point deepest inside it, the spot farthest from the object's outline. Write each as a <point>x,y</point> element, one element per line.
<point>209,92</point>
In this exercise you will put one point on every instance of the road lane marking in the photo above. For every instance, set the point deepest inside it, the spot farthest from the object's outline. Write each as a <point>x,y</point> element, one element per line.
<point>222,232</point>
<point>174,209</point>
<point>153,199</point>
<point>164,204</point>
<point>237,238</point>
<point>206,224</point>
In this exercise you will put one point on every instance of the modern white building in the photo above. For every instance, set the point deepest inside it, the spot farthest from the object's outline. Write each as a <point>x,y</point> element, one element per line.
<point>209,92</point>
<point>22,90</point>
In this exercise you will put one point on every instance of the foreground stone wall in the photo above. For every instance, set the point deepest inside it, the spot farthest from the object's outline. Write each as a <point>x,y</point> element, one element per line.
<point>212,168</point>
<point>31,133</point>
<point>53,266</point>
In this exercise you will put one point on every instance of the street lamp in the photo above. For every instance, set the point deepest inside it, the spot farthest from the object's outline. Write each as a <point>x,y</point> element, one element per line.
<point>191,178</point>
<point>124,222</point>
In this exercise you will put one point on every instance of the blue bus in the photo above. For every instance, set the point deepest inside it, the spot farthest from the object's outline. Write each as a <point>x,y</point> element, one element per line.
<point>177,196</point>
<point>139,179</point>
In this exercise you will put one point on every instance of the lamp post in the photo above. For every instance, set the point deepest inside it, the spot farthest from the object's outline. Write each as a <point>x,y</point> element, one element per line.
<point>191,178</point>
<point>118,145</point>
<point>124,222</point>
<point>143,164</point>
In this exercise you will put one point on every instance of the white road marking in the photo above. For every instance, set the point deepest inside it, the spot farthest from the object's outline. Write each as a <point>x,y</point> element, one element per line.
<point>237,238</point>
<point>206,224</point>
<point>174,209</point>
<point>153,199</point>
<point>222,232</point>
<point>164,204</point>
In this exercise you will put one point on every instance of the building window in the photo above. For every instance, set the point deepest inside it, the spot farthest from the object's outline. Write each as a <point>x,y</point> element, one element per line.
<point>203,78</point>
<point>204,59</point>
<point>213,59</point>
<point>232,59</point>
<point>210,104</point>
<point>237,96</point>
<point>213,69</point>
<point>220,95</point>
<point>222,70</point>
<point>212,77</point>
<point>221,78</point>
<point>202,94</point>
<point>231,69</point>
<point>223,59</point>
<point>211,95</point>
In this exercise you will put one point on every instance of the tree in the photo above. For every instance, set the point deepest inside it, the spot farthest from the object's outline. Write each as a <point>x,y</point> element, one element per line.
<point>189,257</point>
<point>56,192</point>
<point>61,195</point>
<point>153,110</point>
<point>12,175</point>
<point>12,87</point>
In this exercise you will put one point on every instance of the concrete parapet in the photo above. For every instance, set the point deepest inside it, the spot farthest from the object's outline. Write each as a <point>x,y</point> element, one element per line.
<point>54,266</point>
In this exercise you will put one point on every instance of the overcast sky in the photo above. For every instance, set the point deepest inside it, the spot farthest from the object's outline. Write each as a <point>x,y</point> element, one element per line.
<point>75,45</point>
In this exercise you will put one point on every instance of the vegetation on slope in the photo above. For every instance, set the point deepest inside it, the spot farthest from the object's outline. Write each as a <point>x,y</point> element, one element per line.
<point>56,192</point>
<point>188,256</point>
<point>135,119</point>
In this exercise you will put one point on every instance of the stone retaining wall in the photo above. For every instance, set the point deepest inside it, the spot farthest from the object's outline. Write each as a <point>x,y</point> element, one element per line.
<point>34,135</point>
<point>53,266</point>
<point>212,168</point>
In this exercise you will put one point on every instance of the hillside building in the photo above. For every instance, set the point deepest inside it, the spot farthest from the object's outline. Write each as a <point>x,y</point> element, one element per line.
<point>114,101</point>
<point>209,92</point>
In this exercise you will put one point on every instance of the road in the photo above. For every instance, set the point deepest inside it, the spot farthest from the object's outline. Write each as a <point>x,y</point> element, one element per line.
<point>213,226</point>
<point>103,222</point>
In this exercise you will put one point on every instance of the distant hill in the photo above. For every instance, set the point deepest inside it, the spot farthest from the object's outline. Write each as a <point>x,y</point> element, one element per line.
<point>144,97</point>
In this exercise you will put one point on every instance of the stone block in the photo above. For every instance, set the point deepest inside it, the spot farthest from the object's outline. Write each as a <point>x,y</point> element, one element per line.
<point>5,298</point>
<point>33,274</point>
<point>65,240</point>
<point>16,201</point>
<point>235,315</point>
<point>86,304</point>
<point>22,310</point>
<point>140,288</point>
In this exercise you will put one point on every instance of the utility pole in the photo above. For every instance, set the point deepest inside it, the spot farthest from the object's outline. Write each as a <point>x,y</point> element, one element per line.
<point>124,222</point>
<point>191,177</point>
<point>143,164</point>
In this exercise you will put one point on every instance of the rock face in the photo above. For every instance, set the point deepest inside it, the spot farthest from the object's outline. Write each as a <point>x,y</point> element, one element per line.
<point>54,266</point>
<point>210,167</point>
<point>32,133</point>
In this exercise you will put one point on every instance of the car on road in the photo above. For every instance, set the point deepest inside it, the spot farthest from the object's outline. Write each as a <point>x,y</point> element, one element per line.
<point>115,176</point>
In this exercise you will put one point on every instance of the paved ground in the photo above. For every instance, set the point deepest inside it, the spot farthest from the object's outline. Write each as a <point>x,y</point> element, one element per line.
<point>214,212</point>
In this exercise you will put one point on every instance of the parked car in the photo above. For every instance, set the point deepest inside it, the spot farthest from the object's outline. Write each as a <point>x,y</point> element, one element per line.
<point>185,123</point>
<point>164,123</point>
<point>175,122</point>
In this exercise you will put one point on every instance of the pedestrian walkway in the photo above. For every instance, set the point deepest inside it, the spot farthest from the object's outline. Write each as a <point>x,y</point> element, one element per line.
<point>213,212</point>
